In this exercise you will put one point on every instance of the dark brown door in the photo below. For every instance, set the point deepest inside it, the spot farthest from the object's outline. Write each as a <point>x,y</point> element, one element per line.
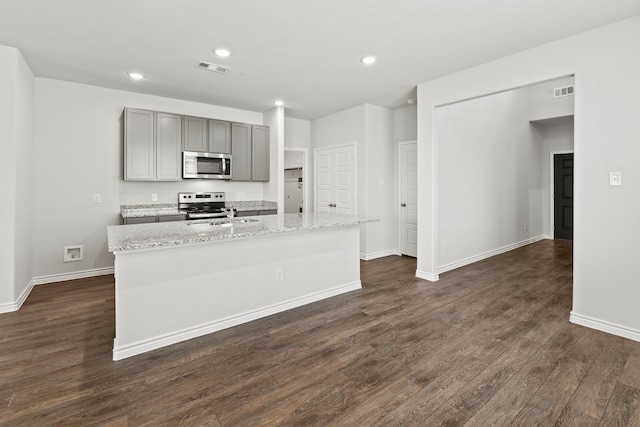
<point>563,196</point>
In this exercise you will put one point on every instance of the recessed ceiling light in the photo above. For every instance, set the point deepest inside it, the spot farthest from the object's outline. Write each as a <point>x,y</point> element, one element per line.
<point>369,59</point>
<point>278,103</point>
<point>222,52</point>
<point>136,76</point>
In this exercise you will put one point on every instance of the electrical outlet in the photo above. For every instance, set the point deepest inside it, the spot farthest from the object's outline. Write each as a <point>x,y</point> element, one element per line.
<point>446,246</point>
<point>73,253</point>
<point>526,227</point>
<point>615,179</point>
<point>279,274</point>
<point>96,198</point>
<point>154,197</point>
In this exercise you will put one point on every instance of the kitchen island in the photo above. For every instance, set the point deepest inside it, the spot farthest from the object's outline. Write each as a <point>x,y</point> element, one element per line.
<point>179,280</point>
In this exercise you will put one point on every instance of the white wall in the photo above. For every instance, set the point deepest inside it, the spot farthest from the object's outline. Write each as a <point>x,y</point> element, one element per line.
<point>297,133</point>
<point>490,166</point>
<point>297,136</point>
<point>405,123</point>
<point>382,236</point>
<point>542,103</point>
<point>78,152</point>
<point>371,127</point>
<point>274,188</point>
<point>16,123</point>
<point>607,104</point>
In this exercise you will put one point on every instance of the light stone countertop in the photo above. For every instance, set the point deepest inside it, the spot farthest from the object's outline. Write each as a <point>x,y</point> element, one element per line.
<point>123,238</point>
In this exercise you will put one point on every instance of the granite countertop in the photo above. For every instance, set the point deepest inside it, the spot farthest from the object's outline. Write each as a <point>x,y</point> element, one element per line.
<point>170,234</point>
<point>135,211</point>
<point>159,209</point>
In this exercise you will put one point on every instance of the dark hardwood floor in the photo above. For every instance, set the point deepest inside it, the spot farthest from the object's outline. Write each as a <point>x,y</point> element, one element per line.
<point>489,344</point>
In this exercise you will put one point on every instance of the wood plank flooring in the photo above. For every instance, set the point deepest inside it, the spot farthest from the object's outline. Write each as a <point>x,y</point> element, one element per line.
<point>489,344</point>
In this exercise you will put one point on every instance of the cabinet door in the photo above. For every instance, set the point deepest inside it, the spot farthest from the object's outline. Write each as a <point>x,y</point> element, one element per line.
<point>246,213</point>
<point>260,153</point>
<point>219,136</point>
<point>168,147</point>
<point>268,212</point>
<point>241,152</point>
<point>139,220</point>
<point>139,145</point>
<point>195,134</point>
<point>171,218</point>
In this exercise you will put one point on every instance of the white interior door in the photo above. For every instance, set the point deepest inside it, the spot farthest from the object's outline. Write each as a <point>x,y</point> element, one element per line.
<point>409,199</point>
<point>335,187</point>
<point>344,180</point>
<point>324,180</point>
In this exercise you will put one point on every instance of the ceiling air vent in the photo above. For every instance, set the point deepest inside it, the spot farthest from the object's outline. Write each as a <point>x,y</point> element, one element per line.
<point>563,91</point>
<point>213,67</point>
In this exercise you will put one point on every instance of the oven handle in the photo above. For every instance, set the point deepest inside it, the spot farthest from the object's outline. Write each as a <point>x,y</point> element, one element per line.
<point>206,215</point>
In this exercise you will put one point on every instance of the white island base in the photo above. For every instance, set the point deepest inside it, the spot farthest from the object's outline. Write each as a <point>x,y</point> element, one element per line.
<point>170,294</point>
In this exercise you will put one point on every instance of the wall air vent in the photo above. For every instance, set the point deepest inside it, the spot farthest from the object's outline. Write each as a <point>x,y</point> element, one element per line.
<point>563,91</point>
<point>213,67</point>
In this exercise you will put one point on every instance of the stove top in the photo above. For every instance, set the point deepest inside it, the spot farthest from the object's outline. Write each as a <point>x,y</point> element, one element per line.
<point>202,205</point>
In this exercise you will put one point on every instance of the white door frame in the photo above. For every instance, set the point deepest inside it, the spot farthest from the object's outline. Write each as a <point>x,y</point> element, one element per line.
<point>552,231</point>
<point>355,173</point>
<point>306,206</point>
<point>399,195</point>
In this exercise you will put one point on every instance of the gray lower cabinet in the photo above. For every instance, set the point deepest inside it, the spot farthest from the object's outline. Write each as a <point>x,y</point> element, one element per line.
<point>150,219</point>
<point>250,151</point>
<point>152,146</point>
<point>256,213</point>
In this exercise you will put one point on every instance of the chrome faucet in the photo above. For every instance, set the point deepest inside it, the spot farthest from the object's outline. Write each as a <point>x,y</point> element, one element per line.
<point>230,213</point>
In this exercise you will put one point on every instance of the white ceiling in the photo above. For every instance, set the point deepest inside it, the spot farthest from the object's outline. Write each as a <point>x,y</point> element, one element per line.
<point>305,52</point>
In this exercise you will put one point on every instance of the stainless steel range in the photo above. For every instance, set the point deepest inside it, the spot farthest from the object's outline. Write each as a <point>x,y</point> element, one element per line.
<point>203,205</point>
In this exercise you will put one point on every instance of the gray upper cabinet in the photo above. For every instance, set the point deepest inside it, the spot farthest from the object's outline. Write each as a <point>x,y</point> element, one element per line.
<point>195,134</point>
<point>241,152</point>
<point>219,136</point>
<point>152,146</point>
<point>250,151</point>
<point>168,147</point>
<point>139,145</point>
<point>260,153</point>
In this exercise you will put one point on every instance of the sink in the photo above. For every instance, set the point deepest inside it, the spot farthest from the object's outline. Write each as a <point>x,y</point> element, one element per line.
<point>245,220</point>
<point>210,224</point>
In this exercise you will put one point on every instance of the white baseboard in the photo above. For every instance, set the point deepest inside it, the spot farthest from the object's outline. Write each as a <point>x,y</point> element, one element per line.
<point>604,326</point>
<point>53,278</point>
<point>379,254</point>
<point>427,276</point>
<point>489,254</point>
<point>129,350</point>
<point>547,236</point>
<point>15,306</point>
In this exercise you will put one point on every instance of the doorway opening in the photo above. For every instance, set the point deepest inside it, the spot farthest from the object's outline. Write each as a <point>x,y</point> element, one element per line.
<point>493,174</point>
<point>295,180</point>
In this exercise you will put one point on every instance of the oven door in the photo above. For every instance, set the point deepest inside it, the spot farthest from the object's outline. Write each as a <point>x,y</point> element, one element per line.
<point>206,165</point>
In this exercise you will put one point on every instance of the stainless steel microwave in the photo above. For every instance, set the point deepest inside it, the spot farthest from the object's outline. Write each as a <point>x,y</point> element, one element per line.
<point>206,165</point>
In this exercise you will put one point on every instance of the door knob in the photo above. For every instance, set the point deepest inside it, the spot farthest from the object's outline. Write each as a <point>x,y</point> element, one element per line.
<point>404,205</point>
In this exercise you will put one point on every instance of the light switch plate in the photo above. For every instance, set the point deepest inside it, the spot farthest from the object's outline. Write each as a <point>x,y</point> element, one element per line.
<point>615,179</point>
